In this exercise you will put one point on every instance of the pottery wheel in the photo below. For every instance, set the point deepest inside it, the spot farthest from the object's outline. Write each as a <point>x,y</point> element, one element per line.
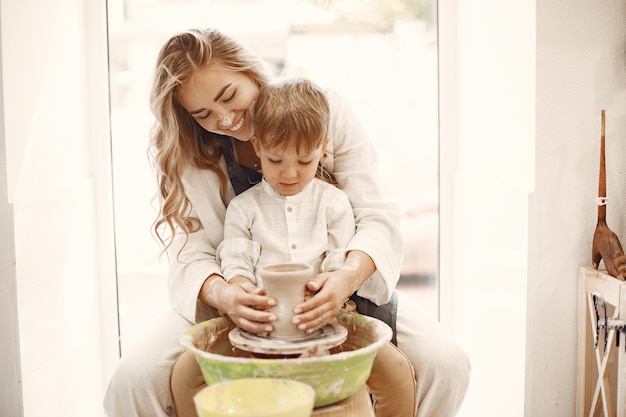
<point>331,335</point>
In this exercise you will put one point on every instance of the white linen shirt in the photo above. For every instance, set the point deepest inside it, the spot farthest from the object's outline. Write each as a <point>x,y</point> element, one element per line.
<point>263,227</point>
<point>353,162</point>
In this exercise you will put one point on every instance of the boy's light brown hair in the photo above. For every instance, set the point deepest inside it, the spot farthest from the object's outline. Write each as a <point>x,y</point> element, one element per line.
<point>291,113</point>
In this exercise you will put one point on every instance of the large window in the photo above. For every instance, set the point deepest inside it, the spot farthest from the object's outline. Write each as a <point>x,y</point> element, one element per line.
<point>382,56</point>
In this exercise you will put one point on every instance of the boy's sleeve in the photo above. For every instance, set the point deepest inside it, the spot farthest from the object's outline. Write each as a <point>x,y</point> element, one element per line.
<point>341,228</point>
<point>238,254</point>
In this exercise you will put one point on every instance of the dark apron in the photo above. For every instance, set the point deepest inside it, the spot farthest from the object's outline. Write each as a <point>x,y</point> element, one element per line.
<point>386,313</point>
<point>242,178</point>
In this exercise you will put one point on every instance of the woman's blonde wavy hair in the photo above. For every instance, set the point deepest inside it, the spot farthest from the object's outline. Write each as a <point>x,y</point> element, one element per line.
<point>177,140</point>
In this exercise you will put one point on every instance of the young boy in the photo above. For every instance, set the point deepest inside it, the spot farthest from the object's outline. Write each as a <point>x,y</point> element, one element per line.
<point>294,215</point>
<point>290,215</point>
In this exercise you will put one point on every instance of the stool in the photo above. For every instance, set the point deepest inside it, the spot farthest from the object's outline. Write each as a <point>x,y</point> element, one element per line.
<point>601,322</point>
<point>358,404</point>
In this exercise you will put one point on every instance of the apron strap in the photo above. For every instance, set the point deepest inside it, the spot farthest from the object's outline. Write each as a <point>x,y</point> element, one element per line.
<point>241,177</point>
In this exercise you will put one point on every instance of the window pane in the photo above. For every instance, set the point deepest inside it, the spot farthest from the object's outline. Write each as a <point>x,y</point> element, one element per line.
<point>382,56</point>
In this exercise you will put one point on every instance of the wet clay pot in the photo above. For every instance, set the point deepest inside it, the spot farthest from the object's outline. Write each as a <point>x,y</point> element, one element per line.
<point>334,376</point>
<point>286,283</point>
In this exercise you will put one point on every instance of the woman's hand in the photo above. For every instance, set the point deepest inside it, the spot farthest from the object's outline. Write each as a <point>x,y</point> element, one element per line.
<point>326,294</point>
<point>242,301</point>
<point>328,291</point>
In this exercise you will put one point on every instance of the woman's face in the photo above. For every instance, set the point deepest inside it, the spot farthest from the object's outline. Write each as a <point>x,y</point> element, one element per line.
<point>220,101</point>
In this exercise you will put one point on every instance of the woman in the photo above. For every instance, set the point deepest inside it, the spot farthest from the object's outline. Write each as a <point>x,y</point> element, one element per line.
<point>203,95</point>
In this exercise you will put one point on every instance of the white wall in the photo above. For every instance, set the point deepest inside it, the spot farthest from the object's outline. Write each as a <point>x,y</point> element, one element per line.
<point>10,394</point>
<point>581,69</point>
<point>58,179</point>
<point>514,80</point>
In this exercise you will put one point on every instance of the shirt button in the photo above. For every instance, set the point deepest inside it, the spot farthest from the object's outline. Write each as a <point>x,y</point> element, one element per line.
<point>289,209</point>
<point>294,246</point>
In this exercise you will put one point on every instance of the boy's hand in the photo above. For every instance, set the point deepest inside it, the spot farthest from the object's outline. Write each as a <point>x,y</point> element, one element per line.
<point>248,286</point>
<point>246,305</point>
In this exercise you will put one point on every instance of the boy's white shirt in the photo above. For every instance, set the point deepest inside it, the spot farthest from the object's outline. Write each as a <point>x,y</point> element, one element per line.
<point>353,162</point>
<point>263,227</point>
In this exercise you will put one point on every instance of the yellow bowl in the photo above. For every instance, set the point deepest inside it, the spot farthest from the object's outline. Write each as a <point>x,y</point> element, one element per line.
<point>255,397</point>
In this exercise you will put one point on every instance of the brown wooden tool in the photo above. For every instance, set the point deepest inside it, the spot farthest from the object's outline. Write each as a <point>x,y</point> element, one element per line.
<point>606,245</point>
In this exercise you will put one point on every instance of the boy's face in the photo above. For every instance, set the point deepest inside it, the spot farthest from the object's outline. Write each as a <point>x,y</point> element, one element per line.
<point>287,171</point>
